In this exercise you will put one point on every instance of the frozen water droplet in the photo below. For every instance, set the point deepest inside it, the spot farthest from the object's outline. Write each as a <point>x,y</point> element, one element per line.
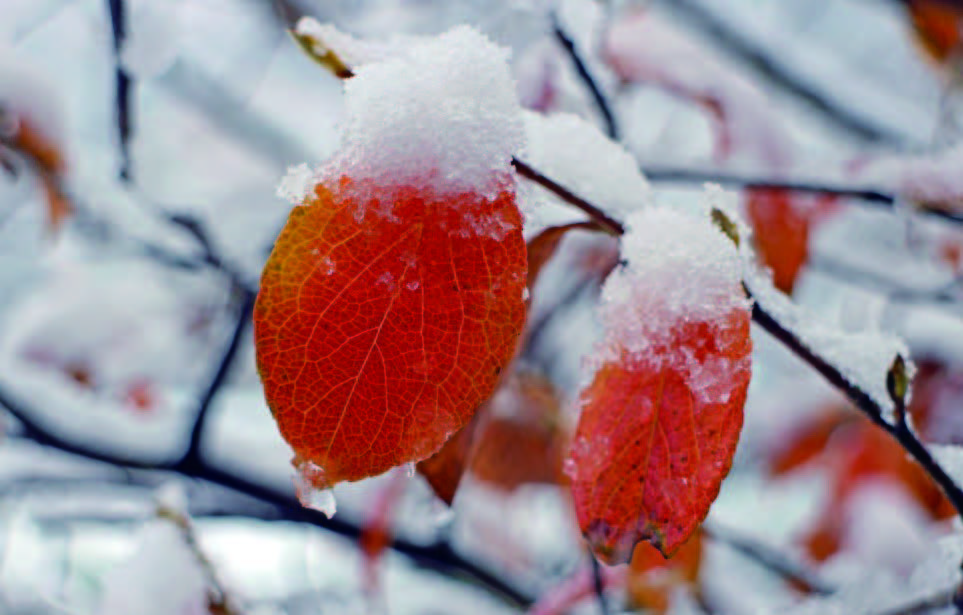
<point>569,468</point>
<point>413,285</point>
<point>328,265</point>
<point>410,470</point>
<point>322,500</point>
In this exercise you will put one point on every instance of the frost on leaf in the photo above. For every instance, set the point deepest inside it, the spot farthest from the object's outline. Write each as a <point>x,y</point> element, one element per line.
<point>662,415</point>
<point>394,296</point>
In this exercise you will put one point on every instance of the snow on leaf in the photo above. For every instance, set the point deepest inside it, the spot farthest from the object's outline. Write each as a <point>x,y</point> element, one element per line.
<point>393,298</point>
<point>661,418</point>
<point>566,147</point>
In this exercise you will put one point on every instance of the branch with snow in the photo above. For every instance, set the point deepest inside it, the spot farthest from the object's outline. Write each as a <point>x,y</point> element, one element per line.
<point>864,385</point>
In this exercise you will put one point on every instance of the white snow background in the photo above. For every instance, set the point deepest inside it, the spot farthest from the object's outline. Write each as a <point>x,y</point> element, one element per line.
<point>224,104</point>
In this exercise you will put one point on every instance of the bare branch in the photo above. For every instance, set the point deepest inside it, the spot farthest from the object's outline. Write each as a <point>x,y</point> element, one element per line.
<point>122,86</point>
<point>699,16</point>
<point>601,102</point>
<point>770,558</point>
<point>865,196</point>
<point>437,556</point>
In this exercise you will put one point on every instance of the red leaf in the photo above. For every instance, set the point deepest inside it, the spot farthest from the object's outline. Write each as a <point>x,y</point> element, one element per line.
<point>380,333</point>
<point>853,451</point>
<point>937,27</point>
<point>522,438</point>
<point>650,453</point>
<point>444,469</point>
<point>781,224</point>
<point>542,247</point>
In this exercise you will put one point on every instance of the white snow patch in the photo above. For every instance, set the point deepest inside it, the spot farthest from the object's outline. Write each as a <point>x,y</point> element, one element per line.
<point>296,185</point>
<point>162,576</point>
<point>863,357</point>
<point>441,113</point>
<point>152,42</point>
<point>679,268</point>
<point>321,500</point>
<point>926,178</point>
<point>574,153</point>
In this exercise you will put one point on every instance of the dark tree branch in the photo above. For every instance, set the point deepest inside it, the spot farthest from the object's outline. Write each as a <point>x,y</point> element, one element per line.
<point>246,299</point>
<point>866,196</point>
<point>769,558</point>
<point>438,556</point>
<point>610,225</point>
<point>598,584</point>
<point>903,434</point>
<point>122,86</point>
<point>601,102</point>
<point>781,76</point>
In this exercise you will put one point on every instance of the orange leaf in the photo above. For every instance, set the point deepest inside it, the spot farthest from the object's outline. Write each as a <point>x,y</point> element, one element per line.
<point>855,451</point>
<point>650,452</point>
<point>49,164</point>
<point>379,333</point>
<point>522,439</point>
<point>781,224</point>
<point>652,578</point>
<point>543,246</point>
<point>808,442</point>
<point>444,469</point>
<point>937,27</point>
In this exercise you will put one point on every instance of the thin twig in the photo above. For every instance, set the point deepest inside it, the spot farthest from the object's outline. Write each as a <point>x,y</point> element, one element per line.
<point>221,372</point>
<point>598,585</point>
<point>438,556</point>
<point>897,292</point>
<point>924,605</point>
<point>610,225</point>
<point>867,196</point>
<point>905,436</point>
<point>770,558</point>
<point>122,86</point>
<point>611,126</point>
